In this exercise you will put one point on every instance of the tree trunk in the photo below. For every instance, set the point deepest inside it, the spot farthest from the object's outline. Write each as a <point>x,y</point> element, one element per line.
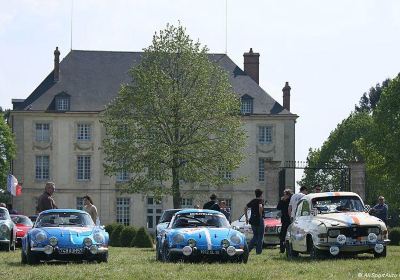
<point>176,194</point>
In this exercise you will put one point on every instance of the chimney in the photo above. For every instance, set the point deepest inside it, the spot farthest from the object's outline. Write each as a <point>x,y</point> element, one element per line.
<point>286,96</point>
<point>56,65</point>
<point>251,64</point>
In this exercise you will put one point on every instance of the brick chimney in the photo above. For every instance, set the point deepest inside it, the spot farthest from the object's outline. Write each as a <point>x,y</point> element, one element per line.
<point>56,65</point>
<point>286,96</point>
<point>251,64</point>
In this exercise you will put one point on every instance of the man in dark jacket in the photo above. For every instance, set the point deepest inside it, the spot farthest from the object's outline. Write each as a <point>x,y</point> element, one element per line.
<point>45,201</point>
<point>256,221</point>
<point>212,204</point>
<point>283,205</point>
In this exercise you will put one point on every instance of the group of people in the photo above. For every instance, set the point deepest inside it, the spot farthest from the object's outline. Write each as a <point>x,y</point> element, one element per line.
<point>287,205</point>
<point>216,205</point>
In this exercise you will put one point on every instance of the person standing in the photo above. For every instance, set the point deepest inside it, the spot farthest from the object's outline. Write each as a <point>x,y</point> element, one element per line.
<point>256,221</point>
<point>46,201</point>
<point>380,210</point>
<point>212,204</point>
<point>317,188</point>
<point>294,200</point>
<point>90,208</point>
<point>224,210</point>
<point>283,206</point>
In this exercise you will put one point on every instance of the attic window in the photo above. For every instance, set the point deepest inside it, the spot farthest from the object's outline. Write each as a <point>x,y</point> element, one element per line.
<point>62,103</point>
<point>246,105</point>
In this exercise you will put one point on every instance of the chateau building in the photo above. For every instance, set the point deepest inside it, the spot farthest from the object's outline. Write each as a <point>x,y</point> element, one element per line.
<point>59,138</point>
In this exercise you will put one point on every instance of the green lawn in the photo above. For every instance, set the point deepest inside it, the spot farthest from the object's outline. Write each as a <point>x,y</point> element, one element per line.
<point>132,263</point>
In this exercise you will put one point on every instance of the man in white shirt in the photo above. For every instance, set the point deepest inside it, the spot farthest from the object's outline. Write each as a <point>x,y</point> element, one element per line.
<point>294,200</point>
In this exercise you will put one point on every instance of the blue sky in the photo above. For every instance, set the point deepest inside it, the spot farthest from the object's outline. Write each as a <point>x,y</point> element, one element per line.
<point>329,51</point>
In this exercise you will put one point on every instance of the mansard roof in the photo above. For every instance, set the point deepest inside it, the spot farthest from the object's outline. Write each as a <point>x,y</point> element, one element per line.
<point>93,78</point>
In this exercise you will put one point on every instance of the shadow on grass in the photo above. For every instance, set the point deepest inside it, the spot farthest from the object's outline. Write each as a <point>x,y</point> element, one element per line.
<point>307,259</point>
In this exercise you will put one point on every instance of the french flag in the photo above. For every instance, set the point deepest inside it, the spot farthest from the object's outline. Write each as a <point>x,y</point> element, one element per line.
<point>12,185</point>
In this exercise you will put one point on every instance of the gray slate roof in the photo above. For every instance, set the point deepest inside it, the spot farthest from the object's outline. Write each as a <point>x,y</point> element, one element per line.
<point>93,79</point>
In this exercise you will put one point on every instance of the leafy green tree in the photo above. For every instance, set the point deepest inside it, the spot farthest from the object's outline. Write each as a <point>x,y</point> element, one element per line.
<point>177,121</point>
<point>369,101</point>
<point>7,153</point>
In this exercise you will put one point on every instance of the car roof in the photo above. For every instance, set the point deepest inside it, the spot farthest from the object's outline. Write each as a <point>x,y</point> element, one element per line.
<point>172,210</point>
<point>63,211</point>
<point>328,194</point>
<point>186,211</point>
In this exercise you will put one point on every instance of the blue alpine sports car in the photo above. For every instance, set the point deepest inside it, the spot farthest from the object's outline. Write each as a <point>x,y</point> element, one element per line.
<point>66,235</point>
<point>196,234</point>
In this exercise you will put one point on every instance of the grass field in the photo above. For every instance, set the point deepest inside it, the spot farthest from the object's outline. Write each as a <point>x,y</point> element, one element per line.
<point>132,263</point>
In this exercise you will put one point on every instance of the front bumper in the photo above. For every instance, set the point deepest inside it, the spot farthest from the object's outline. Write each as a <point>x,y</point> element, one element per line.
<point>224,252</point>
<point>361,247</point>
<point>55,254</point>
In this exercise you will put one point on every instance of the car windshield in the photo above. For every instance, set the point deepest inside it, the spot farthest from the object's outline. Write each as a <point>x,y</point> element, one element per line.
<point>190,220</point>
<point>64,219</point>
<point>272,213</point>
<point>167,215</point>
<point>4,214</point>
<point>335,204</point>
<point>23,220</point>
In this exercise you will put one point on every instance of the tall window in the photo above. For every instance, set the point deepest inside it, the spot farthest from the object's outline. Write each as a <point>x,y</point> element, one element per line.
<point>261,169</point>
<point>79,203</point>
<point>122,176</point>
<point>62,104</point>
<point>42,168</point>
<point>83,168</point>
<point>43,132</point>
<point>224,173</point>
<point>186,202</point>
<point>83,132</point>
<point>123,210</point>
<point>265,134</point>
<point>246,105</point>
<point>228,202</point>
<point>154,211</point>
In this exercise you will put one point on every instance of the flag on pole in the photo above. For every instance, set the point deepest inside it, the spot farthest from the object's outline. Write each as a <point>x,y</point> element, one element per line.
<point>12,185</point>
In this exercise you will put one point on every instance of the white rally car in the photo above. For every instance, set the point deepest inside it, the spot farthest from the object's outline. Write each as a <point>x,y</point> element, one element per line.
<point>335,223</point>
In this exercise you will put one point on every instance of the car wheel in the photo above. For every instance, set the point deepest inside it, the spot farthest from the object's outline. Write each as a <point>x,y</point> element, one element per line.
<point>12,243</point>
<point>23,257</point>
<point>381,255</point>
<point>31,257</point>
<point>245,256</point>
<point>158,253</point>
<point>290,254</point>
<point>103,258</point>
<point>315,253</point>
<point>166,254</point>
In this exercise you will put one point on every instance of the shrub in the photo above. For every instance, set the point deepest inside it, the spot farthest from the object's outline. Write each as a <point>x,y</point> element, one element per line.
<point>142,239</point>
<point>115,236</point>
<point>394,236</point>
<point>109,228</point>
<point>127,236</point>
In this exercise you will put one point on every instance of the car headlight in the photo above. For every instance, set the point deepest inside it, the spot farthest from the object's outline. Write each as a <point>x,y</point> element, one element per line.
<point>178,238</point>
<point>40,237</point>
<point>192,242</point>
<point>98,237</point>
<point>87,241</point>
<point>235,239</point>
<point>372,237</point>
<point>53,241</point>
<point>333,233</point>
<point>4,228</point>
<point>225,243</point>
<point>374,230</point>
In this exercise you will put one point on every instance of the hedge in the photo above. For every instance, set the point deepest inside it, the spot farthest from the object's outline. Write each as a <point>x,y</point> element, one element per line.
<point>394,236</point>
<point>110,228</point>
<point>142,239</point>
<point>127,236</point>
<point>115,236</point>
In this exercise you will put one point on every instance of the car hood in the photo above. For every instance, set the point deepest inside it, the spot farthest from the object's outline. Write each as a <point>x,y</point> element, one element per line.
<point>68,231</point>
<point>348,219</point>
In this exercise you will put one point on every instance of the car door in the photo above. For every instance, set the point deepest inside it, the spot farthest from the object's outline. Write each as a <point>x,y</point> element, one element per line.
<point>299,226</point>
<point>305,226</point>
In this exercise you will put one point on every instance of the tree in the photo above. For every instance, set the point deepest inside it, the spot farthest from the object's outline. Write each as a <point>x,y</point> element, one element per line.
<point>7,151</point>
<point>177,121</point>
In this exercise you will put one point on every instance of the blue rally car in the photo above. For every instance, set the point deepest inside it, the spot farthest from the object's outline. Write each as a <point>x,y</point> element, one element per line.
<point>66,235</point>
<point>196,234</point>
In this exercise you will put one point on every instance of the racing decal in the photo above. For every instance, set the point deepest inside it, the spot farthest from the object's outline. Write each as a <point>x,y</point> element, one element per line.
<point>208,238</point>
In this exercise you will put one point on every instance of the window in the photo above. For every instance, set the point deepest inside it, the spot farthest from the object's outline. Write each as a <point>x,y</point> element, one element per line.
<point>265,134</point>
<point>305,209</point>
<point>154,211</point>
<point>83,132</point>
<point>122,176</point>
<point>83,168</point>
<point>123,210</point>
<point>62,104</point>
<point>42,168</point>
<point>186,202</point>
<point>225,174</point>
<point>246,105</point>
<point>43,132</point>
<point>261,169</point>
<point>79,203</point>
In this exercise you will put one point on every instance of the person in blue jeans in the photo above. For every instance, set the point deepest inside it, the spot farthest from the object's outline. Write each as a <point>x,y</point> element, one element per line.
<point>256,221</point>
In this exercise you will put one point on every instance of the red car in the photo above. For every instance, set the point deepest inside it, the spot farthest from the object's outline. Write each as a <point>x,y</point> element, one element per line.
<point>23,223</point>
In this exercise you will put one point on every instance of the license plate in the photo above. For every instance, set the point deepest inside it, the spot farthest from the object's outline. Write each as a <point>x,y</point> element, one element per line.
<point>357,242</point>
<point>209,252</point>
<point>75,251</point>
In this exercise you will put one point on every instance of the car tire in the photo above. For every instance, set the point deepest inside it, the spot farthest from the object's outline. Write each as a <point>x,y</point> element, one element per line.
<point>315,253</point>
<point>23,257</point>
<point>290,254</point>
<point>166,256</point>
<point>381,255</point>
<point>103,258</point>
<point>158,253</point>
<point>31,257</point>
<point>12,242</point>
<point>245,256</point>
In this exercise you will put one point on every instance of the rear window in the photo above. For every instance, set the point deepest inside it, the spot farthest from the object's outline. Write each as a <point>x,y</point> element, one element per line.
<point>23,220</point>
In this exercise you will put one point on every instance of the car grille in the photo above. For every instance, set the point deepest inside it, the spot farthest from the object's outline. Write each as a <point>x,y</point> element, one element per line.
<point>271,230</point>
<point>355,231</point>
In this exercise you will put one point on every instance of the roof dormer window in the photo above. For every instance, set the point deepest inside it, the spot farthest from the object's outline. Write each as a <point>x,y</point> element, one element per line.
<point>62,102</point>
<point>246,105</point>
